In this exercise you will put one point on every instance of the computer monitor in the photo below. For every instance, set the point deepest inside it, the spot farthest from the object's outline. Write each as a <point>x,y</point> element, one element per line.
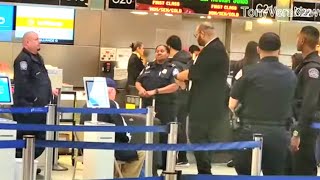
<point>5,91</point>
<point>96,92</point>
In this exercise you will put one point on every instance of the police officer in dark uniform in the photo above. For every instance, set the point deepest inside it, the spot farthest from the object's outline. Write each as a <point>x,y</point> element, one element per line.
<point>266,93</point>
<point>32,86</point>
<point>306,103</point>
<point>157,81</point>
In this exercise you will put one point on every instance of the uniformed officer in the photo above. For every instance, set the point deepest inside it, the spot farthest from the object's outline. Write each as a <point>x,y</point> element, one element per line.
<point>306,103</point>
<point>266,93</point>
<point>32,86</point>
<point>157,81</point>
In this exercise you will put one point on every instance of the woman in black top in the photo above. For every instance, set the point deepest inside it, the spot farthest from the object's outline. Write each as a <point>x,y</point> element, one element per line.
<point>135,65</point>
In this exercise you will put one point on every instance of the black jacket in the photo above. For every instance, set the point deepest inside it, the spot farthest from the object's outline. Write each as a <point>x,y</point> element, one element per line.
<point>307,97</point>
<point>31,81</point>
<point>135,66</point>
<point>209,87</point>
<point>182,60</point>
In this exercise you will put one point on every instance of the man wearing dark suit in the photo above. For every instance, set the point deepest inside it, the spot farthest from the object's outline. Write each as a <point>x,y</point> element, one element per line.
<point>207,104</point>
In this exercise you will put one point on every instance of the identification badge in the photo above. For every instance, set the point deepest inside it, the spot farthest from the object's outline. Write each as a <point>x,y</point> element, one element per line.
<point>164,71</point>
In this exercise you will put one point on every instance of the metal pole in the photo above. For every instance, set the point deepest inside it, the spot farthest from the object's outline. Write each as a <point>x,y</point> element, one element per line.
<point>28,157</point>
<point>256,156</point>
<point>56,165</point>
<point>170,173</point>
<point>149,140</point>
<point>49,136</point>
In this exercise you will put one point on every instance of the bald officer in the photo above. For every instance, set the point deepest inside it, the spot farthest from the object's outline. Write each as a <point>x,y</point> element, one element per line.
<point>32,86</point>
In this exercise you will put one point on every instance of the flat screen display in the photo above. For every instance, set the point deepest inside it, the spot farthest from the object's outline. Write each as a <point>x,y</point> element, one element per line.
<point>96,92</point>
<point>54,25</point>
<point>5,91</point>
<point>6,22</point>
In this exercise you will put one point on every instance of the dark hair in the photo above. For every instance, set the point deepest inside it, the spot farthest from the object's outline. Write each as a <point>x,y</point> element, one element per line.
<point>174,42</point>
<point>269,42</point>
<point>296,60</point>
<point>193,48</point>
<point>312,35</point>
<point>165,46</point>
<point>136,45</point>
<point>251,55</point>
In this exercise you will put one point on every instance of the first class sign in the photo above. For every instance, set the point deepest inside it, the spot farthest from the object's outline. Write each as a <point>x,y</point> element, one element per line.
<point>166,7</point>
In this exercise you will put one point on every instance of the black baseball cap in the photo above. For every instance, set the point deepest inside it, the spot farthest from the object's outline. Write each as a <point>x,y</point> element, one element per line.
<point>269,42</point>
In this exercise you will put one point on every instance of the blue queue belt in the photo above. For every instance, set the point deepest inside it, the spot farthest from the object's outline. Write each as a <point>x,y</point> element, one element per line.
<point>241,145</point>
<point>42,127</point>
<point>315,125</point>
<point>101,110</point>
<point>12,144</point>
<point>24,110</point>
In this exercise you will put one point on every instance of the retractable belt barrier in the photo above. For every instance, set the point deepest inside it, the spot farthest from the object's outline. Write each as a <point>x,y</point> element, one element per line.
<point>220,177</point>
<point>61,128</point>
<point>29,143</point>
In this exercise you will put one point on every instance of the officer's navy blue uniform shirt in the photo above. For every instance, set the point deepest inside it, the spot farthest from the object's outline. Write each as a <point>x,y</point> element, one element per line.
<point>266,91</point>
<point>31,81</point>
<point>157,76</point>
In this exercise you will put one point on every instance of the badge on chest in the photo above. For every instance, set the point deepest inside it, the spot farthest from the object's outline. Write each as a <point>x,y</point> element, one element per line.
<point>164,72</point>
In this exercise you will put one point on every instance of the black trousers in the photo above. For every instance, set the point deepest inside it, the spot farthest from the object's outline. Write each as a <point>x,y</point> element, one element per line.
<point>205,129</point>
<point>182,114</point>
<point>30,119</point>
<point>304,160</point>
<point>274,152</point>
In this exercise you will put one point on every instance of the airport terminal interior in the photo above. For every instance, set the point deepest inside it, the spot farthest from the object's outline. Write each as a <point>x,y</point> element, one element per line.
<point>84,40</point>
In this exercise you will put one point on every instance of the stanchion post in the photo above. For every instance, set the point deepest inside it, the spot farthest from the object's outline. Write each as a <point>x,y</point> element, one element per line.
<point>28,157</point>
<point>149,140</point>
<point>170,172</point>
<point>256,156</point>
<point>49,136</point>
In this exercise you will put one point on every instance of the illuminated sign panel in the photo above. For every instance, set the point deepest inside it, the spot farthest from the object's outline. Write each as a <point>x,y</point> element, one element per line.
<point>6,22</point>
<point>54,25</point>
<point>223,8</point>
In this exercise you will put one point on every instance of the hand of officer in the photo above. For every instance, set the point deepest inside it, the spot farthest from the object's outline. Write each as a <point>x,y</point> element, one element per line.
<point>55,92</point>
<point>151,93</point>
<point>143,93</point>
<point>295,143</point>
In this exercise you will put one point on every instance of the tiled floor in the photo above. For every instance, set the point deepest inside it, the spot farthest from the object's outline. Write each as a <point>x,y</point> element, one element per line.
<point>219,169</point>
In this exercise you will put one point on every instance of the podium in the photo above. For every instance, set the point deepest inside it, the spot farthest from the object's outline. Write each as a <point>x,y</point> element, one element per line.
<point>98,164</point>
<point>7,156</point>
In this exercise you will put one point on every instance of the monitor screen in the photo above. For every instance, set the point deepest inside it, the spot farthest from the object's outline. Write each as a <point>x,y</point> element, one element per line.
<point>5,91</point>
<point>96,92</point>
<point>54,25</point>
<point>6,22</point>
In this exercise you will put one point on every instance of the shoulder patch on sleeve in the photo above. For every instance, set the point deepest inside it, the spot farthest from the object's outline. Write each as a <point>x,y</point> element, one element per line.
<point>313,73</point>
<point>175,72</point>
<point>23,65</point>
<point>239,75</point>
